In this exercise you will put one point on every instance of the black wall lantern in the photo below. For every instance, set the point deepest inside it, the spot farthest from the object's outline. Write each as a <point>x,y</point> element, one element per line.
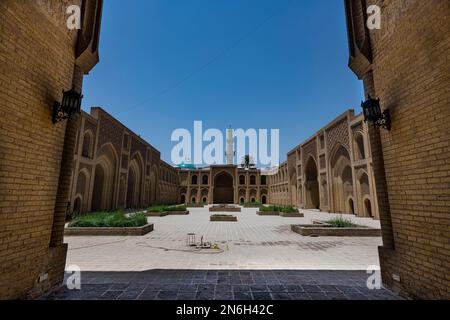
<point>70,105</point>
<point>372,113</point>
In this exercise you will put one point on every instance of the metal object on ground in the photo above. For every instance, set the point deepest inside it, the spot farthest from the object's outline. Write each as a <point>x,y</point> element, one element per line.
<point>190,240</point>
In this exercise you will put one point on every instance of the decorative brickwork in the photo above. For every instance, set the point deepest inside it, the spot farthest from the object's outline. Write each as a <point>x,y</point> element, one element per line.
<point>100,182</point>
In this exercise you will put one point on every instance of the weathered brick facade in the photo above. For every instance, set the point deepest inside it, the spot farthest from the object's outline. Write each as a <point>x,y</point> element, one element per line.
<point>223,184</point>
<point>407,65</point>
<point>39,58</point>
<point>331,171</point>
<point>114,168</point>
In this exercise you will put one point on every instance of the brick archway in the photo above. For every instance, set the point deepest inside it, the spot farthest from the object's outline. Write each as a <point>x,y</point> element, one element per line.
<point>224,188</point>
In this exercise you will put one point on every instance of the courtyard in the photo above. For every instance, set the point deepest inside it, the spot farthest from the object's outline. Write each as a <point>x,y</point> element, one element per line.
<point>253,243</point>
<point>258,258</point>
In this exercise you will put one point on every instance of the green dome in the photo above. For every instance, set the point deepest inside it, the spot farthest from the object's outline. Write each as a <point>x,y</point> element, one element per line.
<point>186,166</point>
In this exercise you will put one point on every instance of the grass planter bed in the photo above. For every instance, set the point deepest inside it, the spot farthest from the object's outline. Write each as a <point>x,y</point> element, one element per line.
<point>252,205</point>
<point>292,215</point>
<point>223,218</point>
<point>224,208</point>
<point>335,228</point>
<point>268,213</point>
<point>287,212</point>
<point>104,231</point>
<point>177,213</point>
<point>109,224</point>
<point>163,210</point>
<point>195,205</point>
<point>156,214</point>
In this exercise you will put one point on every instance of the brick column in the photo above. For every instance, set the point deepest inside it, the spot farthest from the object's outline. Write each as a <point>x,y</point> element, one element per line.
<point>62,197</point>
<point>380,174</point>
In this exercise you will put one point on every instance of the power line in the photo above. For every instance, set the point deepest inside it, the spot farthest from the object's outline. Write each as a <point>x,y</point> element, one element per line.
<point>213,59</point>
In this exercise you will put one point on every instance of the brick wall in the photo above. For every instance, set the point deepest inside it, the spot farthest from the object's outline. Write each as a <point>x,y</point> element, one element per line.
<point>37,61</point>
<point>410,74</point>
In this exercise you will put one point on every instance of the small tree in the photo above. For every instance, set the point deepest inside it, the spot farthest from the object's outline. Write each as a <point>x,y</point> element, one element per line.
<point>248,162</point>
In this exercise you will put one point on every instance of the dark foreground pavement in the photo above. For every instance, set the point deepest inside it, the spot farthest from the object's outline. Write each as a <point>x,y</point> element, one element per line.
<point>223,285</point>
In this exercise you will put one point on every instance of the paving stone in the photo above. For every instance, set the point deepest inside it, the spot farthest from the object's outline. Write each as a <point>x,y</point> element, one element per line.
<point>311,289</point>
<point>167,295</point>
<point>261,296</point>
<point>223,295</point>
<point>242,296</point>
<point>241,288</point>
<point>280,296</point>
<point>111,295</point>
<point>277,288</point>
<point>186,296</point>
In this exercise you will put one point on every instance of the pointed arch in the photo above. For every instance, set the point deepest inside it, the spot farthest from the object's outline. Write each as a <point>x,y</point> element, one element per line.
<point>312,184</point>
<point>341,179</point>
<point>104,178</point>
<point>223,188</point>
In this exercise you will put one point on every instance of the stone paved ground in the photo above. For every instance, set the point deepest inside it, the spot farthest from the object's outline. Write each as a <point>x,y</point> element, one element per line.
<point>254,243</point>
<point>261,258</point>
<point>224,285</point>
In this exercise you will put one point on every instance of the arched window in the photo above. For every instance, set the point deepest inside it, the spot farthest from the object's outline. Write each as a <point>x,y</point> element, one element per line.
<point>194,179</point>
<point>242,179</point>
<point>205,179</point>
<point>360,151</point>
<point>87,145</point>
<point>204,200</point>
<point>194,200</point>
<point>252,180</point>
<point>351,206</point>
<point>242,200</point>
<point>263,180</point>
<point>368,208</point>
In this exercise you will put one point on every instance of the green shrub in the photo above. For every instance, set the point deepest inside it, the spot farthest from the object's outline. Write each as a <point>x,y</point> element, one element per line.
<point>180,207</point>
<point>341,223</point>
<point>165,208</point>
<point>284,209</point>
<point>116,219</point>
<point>289,209</point>
<point>256,204</point>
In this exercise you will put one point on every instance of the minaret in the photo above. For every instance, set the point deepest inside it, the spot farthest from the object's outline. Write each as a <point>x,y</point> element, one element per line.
<point>230,147</point>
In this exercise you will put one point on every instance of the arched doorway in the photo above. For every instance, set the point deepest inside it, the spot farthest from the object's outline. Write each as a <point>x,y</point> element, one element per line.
<point>77,206</point>
<point>183,198</point>
<point>293,189</point>
<point>312,185</point>
<point>264,199</point>
<point>133,186</point>
<point>351,206</point>
<point>223,188</point>
<point>98,193</point>
<point>104,179</point>
<point>342,180</point>
<point>368,208</point>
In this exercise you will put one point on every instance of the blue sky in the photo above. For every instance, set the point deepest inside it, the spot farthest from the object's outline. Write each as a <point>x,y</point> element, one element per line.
<point>278,64</point>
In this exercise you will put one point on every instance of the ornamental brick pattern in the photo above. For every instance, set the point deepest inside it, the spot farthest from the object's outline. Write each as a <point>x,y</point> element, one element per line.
<point>114,168</point>
<point>342,178</point>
